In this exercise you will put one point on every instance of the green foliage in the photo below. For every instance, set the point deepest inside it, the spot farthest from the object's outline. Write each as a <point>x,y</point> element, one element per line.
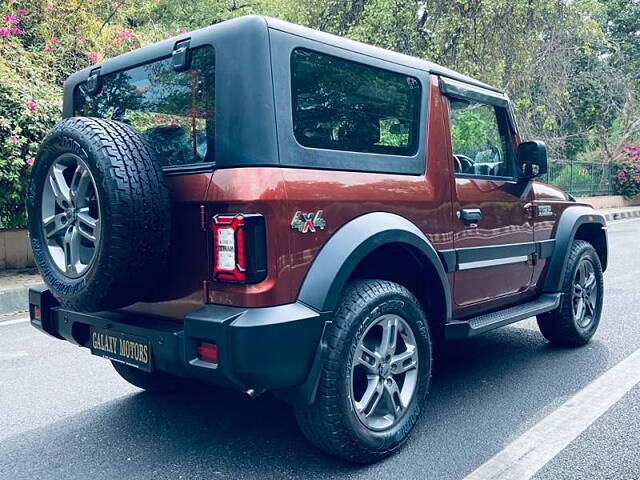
<point>29,105</point>
<point>576,178</point>
<point>572,68</point>
<point>473,130</point>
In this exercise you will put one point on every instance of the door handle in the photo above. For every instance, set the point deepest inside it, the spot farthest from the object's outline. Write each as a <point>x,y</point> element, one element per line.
<point>470,215</point>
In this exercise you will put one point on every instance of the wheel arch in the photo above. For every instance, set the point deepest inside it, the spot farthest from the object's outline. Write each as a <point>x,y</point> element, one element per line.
<point>353,250</point>
<point>576,223</point>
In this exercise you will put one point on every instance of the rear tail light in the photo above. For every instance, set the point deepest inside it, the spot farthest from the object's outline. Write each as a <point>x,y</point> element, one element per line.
<point>239,248</point>
<point>208,352</point>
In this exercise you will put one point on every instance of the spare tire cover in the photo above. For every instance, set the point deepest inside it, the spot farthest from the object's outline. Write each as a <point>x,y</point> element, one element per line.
<point>99,214</point>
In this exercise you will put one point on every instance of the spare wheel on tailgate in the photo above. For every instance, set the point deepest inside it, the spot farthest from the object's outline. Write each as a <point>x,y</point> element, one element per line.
<point>99,214</point>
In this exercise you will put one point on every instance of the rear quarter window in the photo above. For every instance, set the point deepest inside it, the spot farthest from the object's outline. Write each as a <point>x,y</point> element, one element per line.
<point>172,110</point>
<point>339,104</point>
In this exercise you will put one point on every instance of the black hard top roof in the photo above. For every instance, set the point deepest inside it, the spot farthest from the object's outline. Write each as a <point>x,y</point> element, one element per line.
<point>250,25</point>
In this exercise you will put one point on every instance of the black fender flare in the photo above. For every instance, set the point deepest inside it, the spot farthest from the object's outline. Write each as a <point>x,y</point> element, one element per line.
<point>570,220</point>
<point>334,264</point>
<point>350,244</point>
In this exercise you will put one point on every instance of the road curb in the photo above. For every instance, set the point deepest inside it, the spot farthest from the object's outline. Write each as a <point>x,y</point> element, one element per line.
<point>622,214</point>
<point>14,300</point>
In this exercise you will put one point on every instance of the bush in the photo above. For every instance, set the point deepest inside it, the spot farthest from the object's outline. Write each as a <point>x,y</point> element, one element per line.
<point>29,106</point>
<point>574,178</point>
<point>626,173</point>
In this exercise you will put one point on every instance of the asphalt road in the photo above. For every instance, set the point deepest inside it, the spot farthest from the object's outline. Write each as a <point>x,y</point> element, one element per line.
<point>66,414</point>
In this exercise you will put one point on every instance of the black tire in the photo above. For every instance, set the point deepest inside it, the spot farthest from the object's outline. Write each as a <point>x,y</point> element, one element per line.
<point>153,382</point>
<point>134,209</point>
<point>331,422</point>
<point>560,326</point>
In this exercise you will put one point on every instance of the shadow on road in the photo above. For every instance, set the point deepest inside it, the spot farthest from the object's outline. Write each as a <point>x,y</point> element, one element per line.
<point>204,433</point>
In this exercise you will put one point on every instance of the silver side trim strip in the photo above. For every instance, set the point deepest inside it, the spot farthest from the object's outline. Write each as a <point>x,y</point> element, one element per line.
<point>493,263</point>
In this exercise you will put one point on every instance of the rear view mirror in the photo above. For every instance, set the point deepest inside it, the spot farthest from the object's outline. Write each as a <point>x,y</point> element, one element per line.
<point>532,159</point>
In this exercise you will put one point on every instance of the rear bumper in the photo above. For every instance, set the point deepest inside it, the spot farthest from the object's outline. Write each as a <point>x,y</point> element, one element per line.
<point>258,348</point>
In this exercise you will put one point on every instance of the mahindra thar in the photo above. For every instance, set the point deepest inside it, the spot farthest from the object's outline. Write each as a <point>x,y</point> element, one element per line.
<point>262,206</point>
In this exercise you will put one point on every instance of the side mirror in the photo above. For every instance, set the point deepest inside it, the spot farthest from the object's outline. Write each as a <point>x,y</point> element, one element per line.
<point>532,159</point>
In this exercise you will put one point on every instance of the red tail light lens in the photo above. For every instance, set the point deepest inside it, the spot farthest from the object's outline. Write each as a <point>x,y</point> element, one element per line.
<point>239,248</point>
<point>208,352</point>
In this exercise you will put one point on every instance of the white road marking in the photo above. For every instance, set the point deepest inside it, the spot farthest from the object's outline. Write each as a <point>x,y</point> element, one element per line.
<point>12,355</point>
<point>523,457</point>
<point>13,322</point>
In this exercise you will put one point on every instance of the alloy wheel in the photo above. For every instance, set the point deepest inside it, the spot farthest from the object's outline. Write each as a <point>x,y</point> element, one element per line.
<point>70,215</point>
<point>384,373</point>
<point>585,293</point>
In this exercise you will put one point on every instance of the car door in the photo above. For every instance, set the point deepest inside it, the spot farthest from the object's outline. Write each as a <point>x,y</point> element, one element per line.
<point>493,234</point>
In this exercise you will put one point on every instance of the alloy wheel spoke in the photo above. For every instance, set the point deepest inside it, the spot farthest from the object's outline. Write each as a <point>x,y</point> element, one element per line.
<point>577,290</point>
<point>367,358</point>
<point>578,310</point>
<point>589,304</point>
<point>393,393</point>
<point>389,336</point>
<point>59,186</point>
<point>590,283</point>
<point>88,226</point>
<point>404,361</point>
<point>54,225</point>
<point>371,396</point>
<point>80,185</point>
<point>71,245</point>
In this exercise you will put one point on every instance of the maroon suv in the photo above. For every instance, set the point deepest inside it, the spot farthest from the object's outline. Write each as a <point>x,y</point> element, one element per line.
<point>262,206</point>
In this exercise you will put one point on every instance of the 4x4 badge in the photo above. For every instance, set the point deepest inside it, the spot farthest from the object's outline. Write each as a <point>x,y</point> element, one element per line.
<point>308,222</point>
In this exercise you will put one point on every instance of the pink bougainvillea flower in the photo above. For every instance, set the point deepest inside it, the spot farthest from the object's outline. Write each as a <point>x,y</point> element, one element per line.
<point>123,35</point>
<point>54,40</point>
<point>92,57</point>
<point>21,12</point>
<point>180,31</point>
<point>32,106</point>
<point>49,50</point>
<point>51,7</point>
<point>30,161</point>
<point>13,140</point>
<point>11,19</point>
<point>11,30</point>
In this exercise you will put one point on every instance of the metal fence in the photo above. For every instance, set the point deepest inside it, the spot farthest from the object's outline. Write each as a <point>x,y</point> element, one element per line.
<point>580,178</point>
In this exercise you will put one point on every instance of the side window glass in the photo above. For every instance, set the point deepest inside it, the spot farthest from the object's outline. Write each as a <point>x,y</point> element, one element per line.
<point>479,138</point>
<point>343,105</point>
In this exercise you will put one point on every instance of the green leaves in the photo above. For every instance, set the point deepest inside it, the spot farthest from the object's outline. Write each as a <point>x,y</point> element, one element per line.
<point>571,67</point>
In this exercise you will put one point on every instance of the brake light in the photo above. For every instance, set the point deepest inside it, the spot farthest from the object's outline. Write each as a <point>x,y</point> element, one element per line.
<point>239,248</point>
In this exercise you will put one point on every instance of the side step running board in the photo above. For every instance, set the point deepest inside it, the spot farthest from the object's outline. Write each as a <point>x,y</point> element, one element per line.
<point>459,329</point>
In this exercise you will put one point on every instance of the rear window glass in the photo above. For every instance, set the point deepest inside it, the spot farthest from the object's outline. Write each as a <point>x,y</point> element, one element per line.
<point>173,111</point>
<point>343,105</point>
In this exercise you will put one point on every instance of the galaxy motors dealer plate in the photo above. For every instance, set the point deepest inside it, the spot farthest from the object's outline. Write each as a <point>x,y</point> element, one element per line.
<point>121,347</point>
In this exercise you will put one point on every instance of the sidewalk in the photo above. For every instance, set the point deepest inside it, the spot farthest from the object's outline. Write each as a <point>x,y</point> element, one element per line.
<point>14,284</point>
<point>612,214</point>
<point>14,289</point>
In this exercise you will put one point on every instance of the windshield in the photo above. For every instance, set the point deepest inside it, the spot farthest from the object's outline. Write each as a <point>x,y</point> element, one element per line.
<point>172,110</point>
